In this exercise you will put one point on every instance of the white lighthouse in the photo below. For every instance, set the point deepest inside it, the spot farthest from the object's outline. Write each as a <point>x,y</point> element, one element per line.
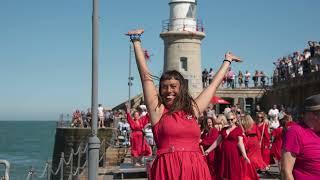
<point>182,35</point>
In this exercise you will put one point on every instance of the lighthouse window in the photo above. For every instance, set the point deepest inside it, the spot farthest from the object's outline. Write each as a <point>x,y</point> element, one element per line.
<point>191,11</point>
<point>184,63</point>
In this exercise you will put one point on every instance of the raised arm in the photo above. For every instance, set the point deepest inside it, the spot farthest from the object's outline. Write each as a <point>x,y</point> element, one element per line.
<point>205,96</point>
<point>149,89</point>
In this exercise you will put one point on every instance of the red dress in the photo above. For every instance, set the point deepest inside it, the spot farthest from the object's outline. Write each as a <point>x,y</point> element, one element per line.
<point>177,136</point>
<point>139,145</point>
<point>265,144</point>
<point>248,171</point>
<point>253,147</point>
<point>207,140</point>
<point>277,143</point>
<point>229,157</point>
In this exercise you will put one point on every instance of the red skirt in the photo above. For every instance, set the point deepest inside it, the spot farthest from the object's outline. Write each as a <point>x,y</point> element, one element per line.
<point>139,146</point>
<point>276,150</point>
<point>180,166</point>
<point>248,171</point>
<point>254,153</point>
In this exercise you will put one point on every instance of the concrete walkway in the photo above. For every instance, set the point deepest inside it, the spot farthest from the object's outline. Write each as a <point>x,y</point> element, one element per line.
<point>127,171</point>
<point>274,173</point>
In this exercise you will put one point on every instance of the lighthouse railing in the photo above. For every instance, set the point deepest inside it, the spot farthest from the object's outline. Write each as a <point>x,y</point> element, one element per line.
<point>182,24</point>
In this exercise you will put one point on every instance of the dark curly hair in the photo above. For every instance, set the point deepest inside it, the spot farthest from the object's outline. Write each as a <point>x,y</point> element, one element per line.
<point>183,100</point>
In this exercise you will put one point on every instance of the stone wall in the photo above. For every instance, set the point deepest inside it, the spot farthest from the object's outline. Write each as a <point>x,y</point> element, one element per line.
<point>294,91</point>
<point>71,138</point>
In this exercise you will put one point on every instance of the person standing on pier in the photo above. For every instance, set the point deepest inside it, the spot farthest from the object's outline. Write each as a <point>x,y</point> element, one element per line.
<point>232,157</point>
<point>139,145</point>
<point>101,116</point>
<point>253,148</point>
<point>247,79</point>
<point>264,141</point>
<point>173,113</point>
<point>276,139</point>
<point>207,138</point>
<point>240,79</point>
<point>301,145</point>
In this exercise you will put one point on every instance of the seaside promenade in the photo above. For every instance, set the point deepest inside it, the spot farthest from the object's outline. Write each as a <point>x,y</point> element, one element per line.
<point>127,171</point>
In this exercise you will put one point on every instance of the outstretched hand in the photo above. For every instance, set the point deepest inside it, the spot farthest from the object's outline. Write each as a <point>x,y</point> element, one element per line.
<point>231,57</point>
<point>135,32</point>
<point>127,107</point>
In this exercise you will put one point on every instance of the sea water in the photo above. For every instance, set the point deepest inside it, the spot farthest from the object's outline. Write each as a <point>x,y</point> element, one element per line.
<point>26,145</point>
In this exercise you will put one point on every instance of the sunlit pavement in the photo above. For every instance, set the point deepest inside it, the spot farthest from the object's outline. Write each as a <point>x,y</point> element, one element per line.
<point>272,174</point>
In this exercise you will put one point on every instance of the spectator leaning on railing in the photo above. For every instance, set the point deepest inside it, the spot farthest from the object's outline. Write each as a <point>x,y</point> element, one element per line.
<point>246,79</point>
<point>240,79</point>
<point>205,78</point>
<point>298,64</point>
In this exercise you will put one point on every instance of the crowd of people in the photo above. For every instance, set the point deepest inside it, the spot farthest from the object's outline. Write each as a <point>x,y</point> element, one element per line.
<point>238,79</point>
<point>106,117</point>
<point>242,146</point>
<point>234,139</point>
<point>229,140</point>
<point>287,67</point>
<point>297,63</point>
<point>193,142</point>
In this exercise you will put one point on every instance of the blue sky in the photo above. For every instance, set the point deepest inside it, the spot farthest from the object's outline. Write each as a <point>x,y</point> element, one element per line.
<point>46,46</point>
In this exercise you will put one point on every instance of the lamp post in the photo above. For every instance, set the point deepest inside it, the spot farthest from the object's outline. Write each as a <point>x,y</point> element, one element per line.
<point>130,78</point>
<point>93,141</point>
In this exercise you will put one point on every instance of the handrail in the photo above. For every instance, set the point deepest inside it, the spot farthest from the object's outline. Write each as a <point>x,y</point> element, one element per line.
<point>167,25</point>
<point>249,84</point>
<point>7,168</point>
<point>74,170</point>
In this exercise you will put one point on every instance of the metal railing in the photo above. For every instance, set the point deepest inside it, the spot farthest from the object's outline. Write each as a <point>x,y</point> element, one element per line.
<point>250,84</point>
<point>75,170</point>
<point>287,73</point>
<point>7,169</point>
<point>184,25</point>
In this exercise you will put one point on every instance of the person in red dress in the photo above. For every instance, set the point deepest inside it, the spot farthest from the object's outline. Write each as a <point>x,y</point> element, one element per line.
<point>173,113</point>
<point>277,136</point>
<point>231,165</point>
<point>252,142</point>
<point>139,145</point>
<point>276,139</point>
<point>265,142</point>
<point>208,137</point>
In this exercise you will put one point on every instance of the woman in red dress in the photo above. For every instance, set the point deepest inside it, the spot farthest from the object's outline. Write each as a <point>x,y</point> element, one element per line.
<point>139,145</point>
<point>208,137</point>
<point>231,164</point>
<point>173,113</point>
<point>264,140</point>
<point>277,136</point>
<point>252,143</point>
<point>276,148</point>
